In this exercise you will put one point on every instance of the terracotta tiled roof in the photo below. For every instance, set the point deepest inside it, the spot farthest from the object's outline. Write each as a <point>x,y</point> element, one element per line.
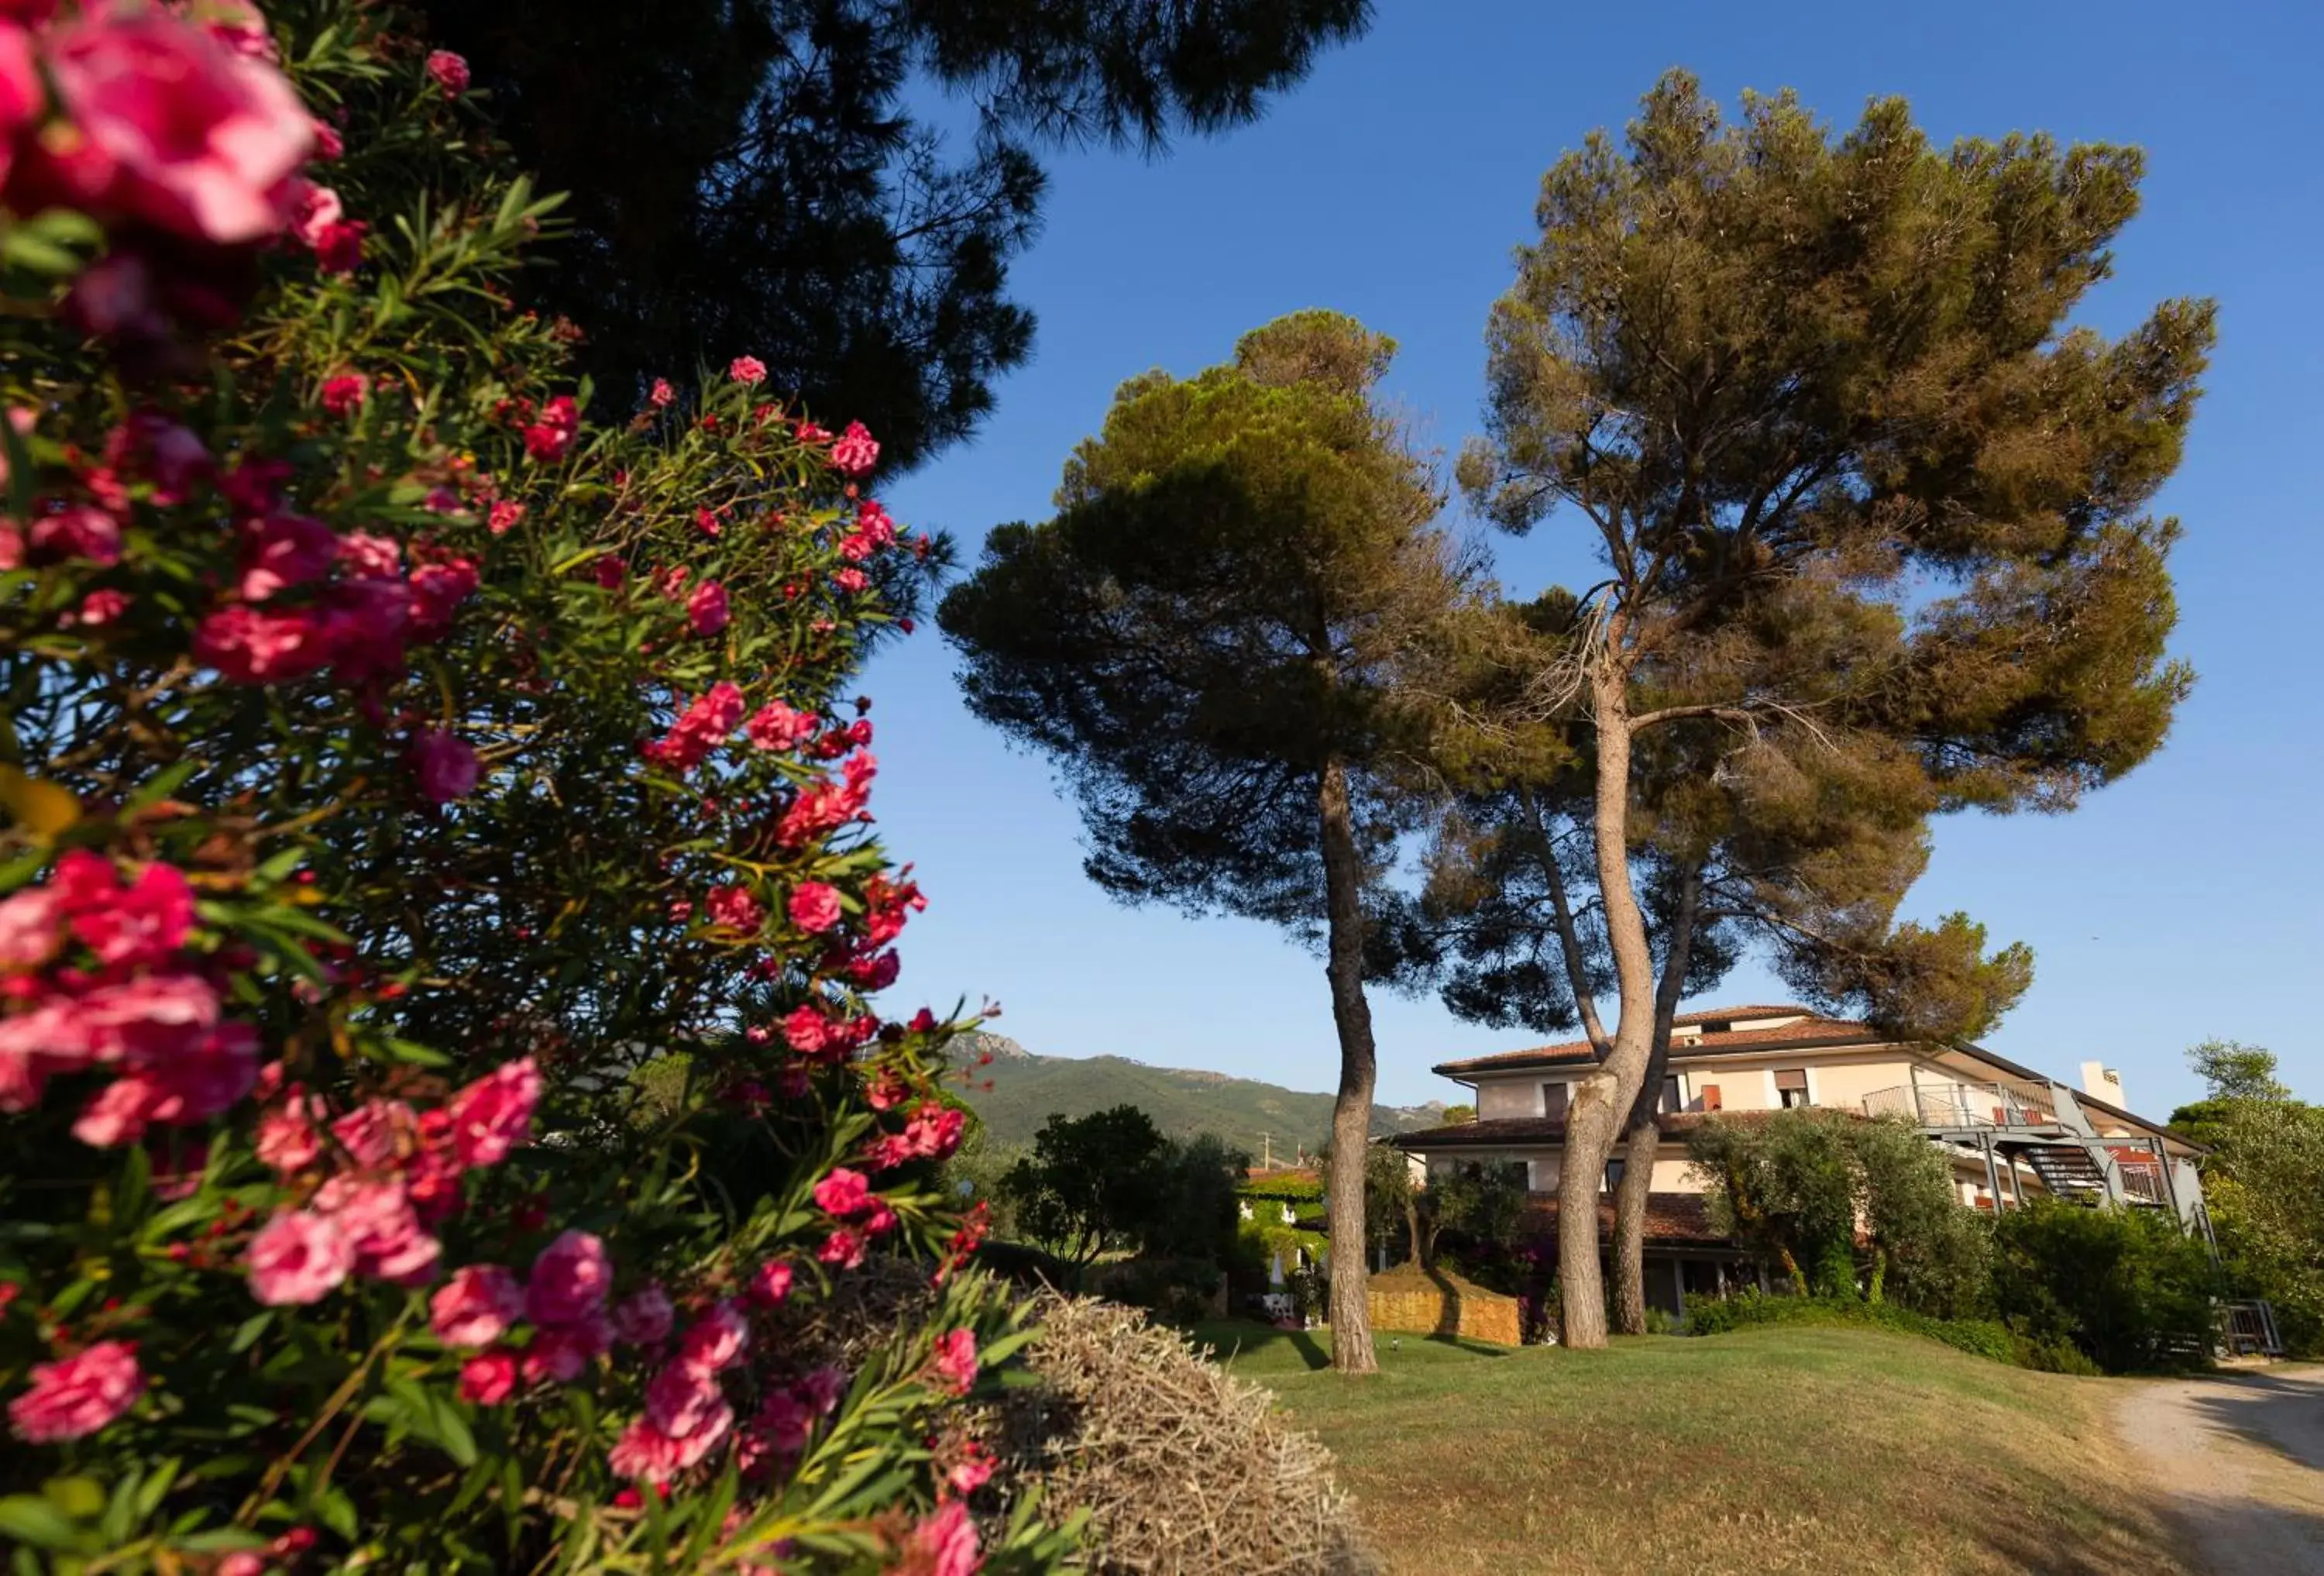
<point>1812,1029</point>
<point>1671,1218</point>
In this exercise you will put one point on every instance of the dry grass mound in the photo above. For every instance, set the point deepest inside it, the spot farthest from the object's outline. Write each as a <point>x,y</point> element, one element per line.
<point>1181,1467</point>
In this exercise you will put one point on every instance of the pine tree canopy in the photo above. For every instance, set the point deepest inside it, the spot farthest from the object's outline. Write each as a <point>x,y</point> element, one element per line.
<point>1872,513</point>
<point>760,178</point>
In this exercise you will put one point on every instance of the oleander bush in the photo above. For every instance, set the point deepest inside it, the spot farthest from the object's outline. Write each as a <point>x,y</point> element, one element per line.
<point>404,747</point>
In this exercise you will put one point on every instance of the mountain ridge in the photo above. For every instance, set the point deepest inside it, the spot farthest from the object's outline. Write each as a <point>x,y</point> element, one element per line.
<point>1013,1091</point>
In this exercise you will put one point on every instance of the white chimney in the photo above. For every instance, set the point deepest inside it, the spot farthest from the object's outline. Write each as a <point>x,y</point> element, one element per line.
<point>2102,1081</point>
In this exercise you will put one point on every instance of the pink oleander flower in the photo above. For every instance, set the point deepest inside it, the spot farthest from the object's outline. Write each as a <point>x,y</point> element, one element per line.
<point>370,556</point>
<point>561,1353</point>
<point>377,1219</point>
<point>447,767</point>
<point>197,1079</point>
<point>776,726</point>
<point>145,923</point>
<point>814,906</point>
<point>550,438</point>
<point>81,531</point>
<point>747,369</point>
<point>505,513</point>
<point>706,608</point>
<point>32,927</point>
<point>681,1400</point>
<point>287,1138</point>
<point>345,393</point>
<point>489,1378</point>
<point>843,1249</point>
<point>493,1115</point>
<point>956,1359</point>
<point>74,1397</point>
<point>449,70</point>
<point>169,126</point>
<point>856,451</point>
<point>645,1453</point>
<point>644,1317</point>
<point>282,551</point>
<point>714,1340</point>
<point>661,394</point>
<point>570,1280</point>
<point>475,1307</point>
<point>732,906</point>
<point>852,581</point>
<point>251,647</point>
<point>843,1192</point>
<point>99,607</point>
<point>771,1284</point>
<point>297,1258</point>
<point>944,1544</point>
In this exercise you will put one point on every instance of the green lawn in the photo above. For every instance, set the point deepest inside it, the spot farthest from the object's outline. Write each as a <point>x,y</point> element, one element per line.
<point>1782,1450</point>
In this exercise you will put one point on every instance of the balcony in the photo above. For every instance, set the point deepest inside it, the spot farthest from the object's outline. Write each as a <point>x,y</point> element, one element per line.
<point>2019,1105</point>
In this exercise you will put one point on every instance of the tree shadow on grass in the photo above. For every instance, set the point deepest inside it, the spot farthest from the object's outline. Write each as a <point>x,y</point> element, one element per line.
<point>1313,1348</point>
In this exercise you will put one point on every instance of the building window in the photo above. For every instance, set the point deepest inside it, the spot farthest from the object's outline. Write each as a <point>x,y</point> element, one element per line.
<point>1553,1101</point>
<point>1613,1175</point>
<point>1792,1087</point>
<point>1672,1101</point>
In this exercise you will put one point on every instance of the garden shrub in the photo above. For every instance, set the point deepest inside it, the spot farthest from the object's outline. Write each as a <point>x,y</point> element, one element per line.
<point>403,747</point>
<point>1180,1466</point>
<point>2126,1287</point>
<point>1174,1290</point>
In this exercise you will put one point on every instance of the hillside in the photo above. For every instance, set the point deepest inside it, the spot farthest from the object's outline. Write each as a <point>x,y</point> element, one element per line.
<point>1017,1091</point>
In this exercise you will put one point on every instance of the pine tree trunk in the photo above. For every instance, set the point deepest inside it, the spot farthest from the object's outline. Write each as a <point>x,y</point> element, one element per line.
<point>1638,1147</point>
<point>1599,1102</point>
<point>1644,1139</point>
<point>1351,1114</point>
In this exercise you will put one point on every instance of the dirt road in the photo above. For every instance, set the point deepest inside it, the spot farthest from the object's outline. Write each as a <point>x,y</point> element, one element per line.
<point>2241,1460</point>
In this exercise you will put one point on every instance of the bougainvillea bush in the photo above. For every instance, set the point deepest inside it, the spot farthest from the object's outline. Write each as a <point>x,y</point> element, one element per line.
<point>403,747</point>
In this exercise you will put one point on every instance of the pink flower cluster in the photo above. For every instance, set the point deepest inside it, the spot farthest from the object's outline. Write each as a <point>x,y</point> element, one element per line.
<point>686,1413</point>
<point>856,451</point>
<point>705,610</point>
<point>846,1195</point>
<point>824,806</point>
<point>954,1361</point>
<point>357,610</point>
<point>78,1394</point>
<point>944,1544</point>
<point>565,1300</point>
<point>706,723</point>
<point>787,1416</point>
<point>183,141</point>
<point>874,530</point>
<point>776,726</point>
<point>551,438</point>
<point>933,1132</point>
<point>393,1175</point>
<point>135,1003</point>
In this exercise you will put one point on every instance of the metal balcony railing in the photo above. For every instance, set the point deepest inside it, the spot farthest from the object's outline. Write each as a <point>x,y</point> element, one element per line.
<point>2008,1103</point>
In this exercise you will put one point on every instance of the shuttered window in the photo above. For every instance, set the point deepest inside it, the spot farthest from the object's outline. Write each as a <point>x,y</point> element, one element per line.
<point>1553,1101</point>
<point>1792,1087</point>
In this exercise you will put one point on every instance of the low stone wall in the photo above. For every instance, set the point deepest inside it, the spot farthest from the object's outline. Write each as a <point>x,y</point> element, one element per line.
<point>1439,1303</point>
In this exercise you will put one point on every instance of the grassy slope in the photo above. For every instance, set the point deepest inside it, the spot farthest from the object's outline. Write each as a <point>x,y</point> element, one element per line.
<point>1794,1450</point>
<point>1025,1089</point>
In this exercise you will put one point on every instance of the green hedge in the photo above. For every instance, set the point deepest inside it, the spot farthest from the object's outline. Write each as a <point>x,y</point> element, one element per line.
<point>1979,1337</point>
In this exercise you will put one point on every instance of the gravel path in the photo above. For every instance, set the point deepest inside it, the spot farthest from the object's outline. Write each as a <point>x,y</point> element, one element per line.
<point>2241,1460</point>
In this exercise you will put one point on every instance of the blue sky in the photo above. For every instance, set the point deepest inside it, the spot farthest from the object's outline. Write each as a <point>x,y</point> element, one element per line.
<point>1393,184</point>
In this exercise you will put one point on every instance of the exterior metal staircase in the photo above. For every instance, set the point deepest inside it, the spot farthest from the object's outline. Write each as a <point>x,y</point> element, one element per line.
<point>2070,1171</point>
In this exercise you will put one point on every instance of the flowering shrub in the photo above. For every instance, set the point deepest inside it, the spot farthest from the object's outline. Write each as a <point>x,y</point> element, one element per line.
<point>400,754</point>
